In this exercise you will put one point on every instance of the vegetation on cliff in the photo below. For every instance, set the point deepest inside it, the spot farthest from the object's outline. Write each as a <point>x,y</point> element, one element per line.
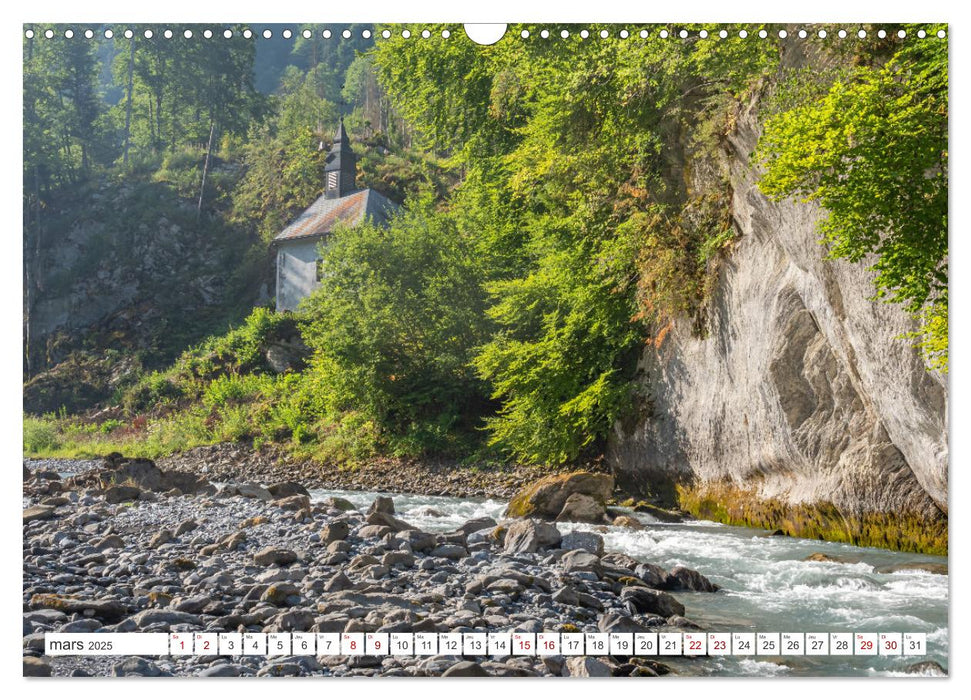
<point>872,148</point>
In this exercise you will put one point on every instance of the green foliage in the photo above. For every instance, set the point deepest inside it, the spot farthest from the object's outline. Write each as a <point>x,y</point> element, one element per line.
<point>553,221</point>
<point>282,177</point>
<point>565,148</point>
<point>40,435</point>
<point>328,60</point>
<point>64,131</point>
<point>184,87</point>
<point>203,368</point>
<point>562,361</point>
<point>932,336</point>
<point>874,153</point>
<point>394,324</point>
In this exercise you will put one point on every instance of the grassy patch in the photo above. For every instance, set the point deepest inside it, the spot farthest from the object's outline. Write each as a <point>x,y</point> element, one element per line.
<point>40,435</point>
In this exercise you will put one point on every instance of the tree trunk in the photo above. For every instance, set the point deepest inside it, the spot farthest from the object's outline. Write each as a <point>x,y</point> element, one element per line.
<point>31,271</point>
<point>131,83</point>
<point>205,167</point>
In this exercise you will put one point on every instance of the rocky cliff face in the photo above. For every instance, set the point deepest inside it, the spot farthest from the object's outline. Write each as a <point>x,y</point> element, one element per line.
<point>123,275</point>
<point>800,406</point>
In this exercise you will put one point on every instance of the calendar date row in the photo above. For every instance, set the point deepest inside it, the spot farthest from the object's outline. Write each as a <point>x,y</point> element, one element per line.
<point>489,644</point>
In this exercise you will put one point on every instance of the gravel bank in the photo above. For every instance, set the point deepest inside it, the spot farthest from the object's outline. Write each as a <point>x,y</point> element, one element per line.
<point>245,558</point>
<point>236,462</point>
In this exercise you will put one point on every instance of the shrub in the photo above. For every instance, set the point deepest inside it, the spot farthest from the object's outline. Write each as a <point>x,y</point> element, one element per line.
<point>394,326</point>
<point>40,435</point>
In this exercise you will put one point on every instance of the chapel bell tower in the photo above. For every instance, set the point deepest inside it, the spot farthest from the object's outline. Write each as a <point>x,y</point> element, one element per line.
<point>341,168</point>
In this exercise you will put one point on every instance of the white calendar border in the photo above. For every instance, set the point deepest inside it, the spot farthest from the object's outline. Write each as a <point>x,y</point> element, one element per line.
<point>495,10</point>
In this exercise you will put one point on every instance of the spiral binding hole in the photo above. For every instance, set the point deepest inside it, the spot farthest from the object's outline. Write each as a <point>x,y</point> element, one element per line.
<point>604,34</point>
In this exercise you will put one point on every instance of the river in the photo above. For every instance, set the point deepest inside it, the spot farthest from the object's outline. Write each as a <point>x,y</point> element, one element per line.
<point>767,585</point>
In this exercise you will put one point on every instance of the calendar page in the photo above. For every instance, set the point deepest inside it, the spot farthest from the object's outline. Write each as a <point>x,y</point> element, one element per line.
<point>511,350</point>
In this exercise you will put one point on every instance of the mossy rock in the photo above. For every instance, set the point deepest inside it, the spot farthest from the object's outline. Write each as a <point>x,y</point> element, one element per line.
<point>545,498</point>
<point>104,609</point>
<point>830,558</point>
<point>628,522</point>
<point>663,514</point>
<point>929,567</point>
<point>729,504</point>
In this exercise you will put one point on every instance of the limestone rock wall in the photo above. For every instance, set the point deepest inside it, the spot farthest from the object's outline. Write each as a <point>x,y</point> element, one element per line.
<point>801,387</point>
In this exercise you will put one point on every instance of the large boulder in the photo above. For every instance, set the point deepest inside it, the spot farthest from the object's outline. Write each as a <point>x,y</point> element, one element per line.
<point>282,356</point>
<point>530,535</point>
<point>465,669</point>
<point>275,555</point>
<point>36,668</point>
<point>107,609</point>
<point>653,576</point>
<point>547,497</point>
<point>587,541</point>
<point>332,532</point>
<point>579,560</point>
<point>645,600</point>
<point>382,504</point>
<point>38,513</point>
<point>140,473</point>
<point>929,567</point>
<point>418,541</point>
<point>164,618</point>
<point>187,483</point>
<point>144,475</point>
<point>338,503</point>
<point>121,494</point>
<point>628,522</point>
<point>284,489</point>
<point>475,525</point>
<point>136,666</point>
<point>294,502</point>
<point>586,667</point>
<point>581,508</point>
<point>387,520</point>
<point>253,491</point>
<point>615,623</point>
<point>681,578</point>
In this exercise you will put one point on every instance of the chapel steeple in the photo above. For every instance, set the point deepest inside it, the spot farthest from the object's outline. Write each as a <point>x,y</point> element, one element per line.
<point>341,167</point>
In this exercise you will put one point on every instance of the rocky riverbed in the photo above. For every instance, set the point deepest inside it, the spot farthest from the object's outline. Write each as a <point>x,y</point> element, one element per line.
<point>132,547</point>
<point>237,462</point>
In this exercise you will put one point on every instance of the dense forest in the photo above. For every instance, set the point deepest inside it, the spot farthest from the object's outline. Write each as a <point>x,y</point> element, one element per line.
<point>551,225</point>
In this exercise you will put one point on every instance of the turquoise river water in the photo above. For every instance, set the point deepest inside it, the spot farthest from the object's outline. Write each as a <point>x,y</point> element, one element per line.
<point>767,586</point>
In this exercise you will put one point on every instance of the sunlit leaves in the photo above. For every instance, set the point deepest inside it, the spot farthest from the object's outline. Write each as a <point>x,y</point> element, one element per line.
<point>874,153</point>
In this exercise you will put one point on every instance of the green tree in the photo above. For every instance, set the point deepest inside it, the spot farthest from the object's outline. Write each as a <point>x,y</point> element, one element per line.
<point>283,160</point>
<point>874,153</point>
<point>185,89</point>
<point>325,61</point>
<point>566,148</point>
<point>394,326</point>
<point>62,109</point>
<point>300,107</point>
